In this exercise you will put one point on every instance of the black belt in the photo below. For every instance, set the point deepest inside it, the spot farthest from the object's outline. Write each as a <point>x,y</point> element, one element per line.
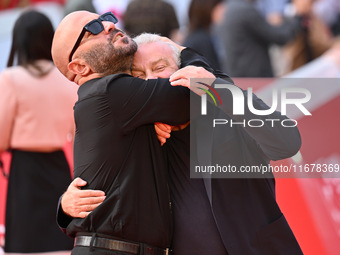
<point>117,245</point>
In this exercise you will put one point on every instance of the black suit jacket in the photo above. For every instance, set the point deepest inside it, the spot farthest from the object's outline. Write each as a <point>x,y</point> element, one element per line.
<point>116,150</point>
<point>245,209</point>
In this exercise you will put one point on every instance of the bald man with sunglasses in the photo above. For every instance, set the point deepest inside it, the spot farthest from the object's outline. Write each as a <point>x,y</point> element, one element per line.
<point>203,225</point>
<point>116,149</point>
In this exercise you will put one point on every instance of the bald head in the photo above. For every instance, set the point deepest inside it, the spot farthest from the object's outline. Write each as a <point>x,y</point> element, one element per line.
<point>107,50</point>
<point>66,36</point>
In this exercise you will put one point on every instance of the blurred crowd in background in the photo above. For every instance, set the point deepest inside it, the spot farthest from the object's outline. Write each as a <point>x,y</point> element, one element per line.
<point>245,38</point>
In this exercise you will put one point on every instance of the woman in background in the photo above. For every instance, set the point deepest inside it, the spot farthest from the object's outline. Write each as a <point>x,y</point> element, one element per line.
<point>36,117</point>
<point>203,14</point>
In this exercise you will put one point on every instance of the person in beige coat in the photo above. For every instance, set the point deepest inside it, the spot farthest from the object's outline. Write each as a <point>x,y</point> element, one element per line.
<point>36,119</point>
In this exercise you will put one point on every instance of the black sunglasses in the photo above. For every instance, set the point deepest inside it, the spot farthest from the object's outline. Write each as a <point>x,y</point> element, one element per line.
<point>94,27</point>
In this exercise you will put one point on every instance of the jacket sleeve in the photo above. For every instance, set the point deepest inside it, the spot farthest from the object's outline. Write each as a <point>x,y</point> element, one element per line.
<point>155,100</point>
<point>274,139</point>
<point>138,102</point>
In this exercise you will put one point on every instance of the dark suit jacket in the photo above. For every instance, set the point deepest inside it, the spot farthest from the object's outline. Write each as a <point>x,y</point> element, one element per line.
<point>116,150</point>
<point>245,209</point>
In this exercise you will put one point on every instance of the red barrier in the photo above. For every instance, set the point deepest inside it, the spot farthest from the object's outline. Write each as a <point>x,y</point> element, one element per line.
<point>312,206</point>
<point>3,192</point>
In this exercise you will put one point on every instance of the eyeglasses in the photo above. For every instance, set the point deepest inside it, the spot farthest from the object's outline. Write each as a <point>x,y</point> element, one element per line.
<point>94,27</point>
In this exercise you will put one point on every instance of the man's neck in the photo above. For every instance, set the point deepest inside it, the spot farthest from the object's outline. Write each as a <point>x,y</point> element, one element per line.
<point>81,80</point>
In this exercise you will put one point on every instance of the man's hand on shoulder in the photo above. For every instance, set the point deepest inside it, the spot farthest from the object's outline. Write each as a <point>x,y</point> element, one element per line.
<point>79,203</point>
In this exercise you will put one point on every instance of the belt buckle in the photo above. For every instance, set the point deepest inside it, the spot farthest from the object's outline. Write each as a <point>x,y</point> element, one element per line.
<point>167,251</point>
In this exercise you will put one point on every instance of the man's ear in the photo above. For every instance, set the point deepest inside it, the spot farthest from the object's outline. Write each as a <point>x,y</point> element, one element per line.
<point>79,67</point>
